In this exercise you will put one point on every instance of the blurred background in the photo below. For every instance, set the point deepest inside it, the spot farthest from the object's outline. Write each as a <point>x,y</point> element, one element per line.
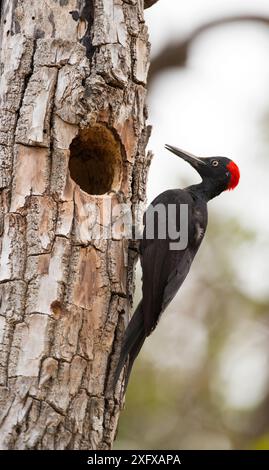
<point>202,378</point>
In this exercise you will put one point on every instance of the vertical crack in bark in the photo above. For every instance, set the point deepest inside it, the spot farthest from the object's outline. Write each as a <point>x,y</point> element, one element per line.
<point>88,15</point>
<point>85,18</point>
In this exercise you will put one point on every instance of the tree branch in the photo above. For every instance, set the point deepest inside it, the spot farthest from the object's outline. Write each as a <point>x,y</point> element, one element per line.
<point>175,54</point>
<point>149,3</point>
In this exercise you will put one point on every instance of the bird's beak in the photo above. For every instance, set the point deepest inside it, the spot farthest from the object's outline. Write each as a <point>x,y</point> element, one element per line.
<point>194,161</point>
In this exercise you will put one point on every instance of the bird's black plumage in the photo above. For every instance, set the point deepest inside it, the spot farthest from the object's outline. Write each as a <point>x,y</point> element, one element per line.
<point>165,269</point>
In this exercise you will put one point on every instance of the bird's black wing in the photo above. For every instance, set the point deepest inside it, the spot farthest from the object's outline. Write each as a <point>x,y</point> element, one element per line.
<point>164,270</point>
<point>161,279</point>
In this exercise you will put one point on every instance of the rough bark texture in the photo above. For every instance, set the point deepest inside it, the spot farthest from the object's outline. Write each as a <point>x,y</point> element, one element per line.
<point>71,71</point>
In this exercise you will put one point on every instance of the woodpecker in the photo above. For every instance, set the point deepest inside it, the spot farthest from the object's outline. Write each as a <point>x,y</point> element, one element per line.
<point>165,269</point>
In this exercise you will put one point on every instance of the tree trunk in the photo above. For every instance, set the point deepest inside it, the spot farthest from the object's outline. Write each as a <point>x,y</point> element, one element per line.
<point>72,139</point>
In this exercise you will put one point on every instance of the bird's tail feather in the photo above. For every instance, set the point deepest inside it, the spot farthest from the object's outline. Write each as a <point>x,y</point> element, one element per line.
<point>134,338</point>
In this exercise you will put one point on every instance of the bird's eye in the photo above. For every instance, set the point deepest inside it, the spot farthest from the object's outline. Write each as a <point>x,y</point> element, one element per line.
<point>214,163</point>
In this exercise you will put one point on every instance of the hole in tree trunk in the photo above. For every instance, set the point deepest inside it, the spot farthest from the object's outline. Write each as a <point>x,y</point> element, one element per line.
<point>95,160</point>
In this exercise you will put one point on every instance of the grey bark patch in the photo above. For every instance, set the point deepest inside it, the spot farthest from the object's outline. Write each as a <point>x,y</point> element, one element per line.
<point>17,27</point>
<point>51,20</point>
<point>75,15</point>
<point>39,33</point>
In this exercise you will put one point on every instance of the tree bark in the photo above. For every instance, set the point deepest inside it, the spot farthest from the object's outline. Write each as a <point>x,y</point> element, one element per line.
<point>72,137</point>
<point>149,3</point>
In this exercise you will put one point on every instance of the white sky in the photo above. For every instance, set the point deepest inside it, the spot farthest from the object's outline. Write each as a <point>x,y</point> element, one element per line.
<point>216,106</point>
<point>175,18</point>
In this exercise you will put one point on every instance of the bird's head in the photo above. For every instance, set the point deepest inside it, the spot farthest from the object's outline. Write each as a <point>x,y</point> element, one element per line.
<point>219,173</point>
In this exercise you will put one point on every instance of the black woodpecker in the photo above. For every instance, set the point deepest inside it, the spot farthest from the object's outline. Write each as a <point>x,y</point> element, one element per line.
<point>165,268</point>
